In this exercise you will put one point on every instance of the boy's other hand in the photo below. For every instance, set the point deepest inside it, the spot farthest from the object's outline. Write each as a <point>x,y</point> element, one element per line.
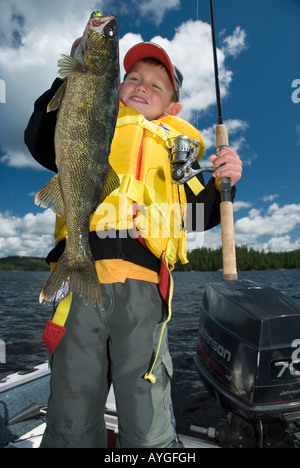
<point>231,165</point>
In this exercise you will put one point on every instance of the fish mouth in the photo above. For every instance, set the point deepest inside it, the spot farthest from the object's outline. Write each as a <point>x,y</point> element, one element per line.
<point>97,20</point>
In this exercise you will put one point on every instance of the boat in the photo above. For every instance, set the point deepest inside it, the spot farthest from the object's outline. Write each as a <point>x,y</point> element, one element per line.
<point>23,406</point>
<point>248,358</point>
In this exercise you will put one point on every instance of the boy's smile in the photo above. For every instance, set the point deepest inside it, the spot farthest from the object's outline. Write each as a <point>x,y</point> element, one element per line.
<point>148,89</point>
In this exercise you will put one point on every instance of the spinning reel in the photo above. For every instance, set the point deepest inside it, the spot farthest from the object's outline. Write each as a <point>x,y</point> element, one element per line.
<point>183,153</point>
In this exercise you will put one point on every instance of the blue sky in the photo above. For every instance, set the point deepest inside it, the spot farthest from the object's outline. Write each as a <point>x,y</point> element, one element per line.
<point>258,42</point>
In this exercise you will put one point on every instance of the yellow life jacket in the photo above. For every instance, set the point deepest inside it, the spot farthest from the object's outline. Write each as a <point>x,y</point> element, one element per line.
<point>147,203</point>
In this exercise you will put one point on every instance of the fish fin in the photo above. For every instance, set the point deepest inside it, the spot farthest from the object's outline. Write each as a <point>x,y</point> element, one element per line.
<point>56,101</point>
<point>51,193</point>
<point>112,183</point>
<point>76,275</point>
<point>68,66</point>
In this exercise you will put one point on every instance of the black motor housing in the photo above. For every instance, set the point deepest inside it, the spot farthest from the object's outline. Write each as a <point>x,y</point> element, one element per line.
<point>248,349</point>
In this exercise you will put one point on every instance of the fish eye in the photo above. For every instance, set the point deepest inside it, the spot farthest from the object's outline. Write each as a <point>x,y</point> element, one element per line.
<point>109,33</point>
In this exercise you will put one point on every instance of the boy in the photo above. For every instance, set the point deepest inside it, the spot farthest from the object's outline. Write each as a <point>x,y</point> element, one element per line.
<point>124,342</point>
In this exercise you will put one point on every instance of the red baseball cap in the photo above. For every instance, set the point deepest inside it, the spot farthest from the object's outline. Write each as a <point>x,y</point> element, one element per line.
<point>152,50</point>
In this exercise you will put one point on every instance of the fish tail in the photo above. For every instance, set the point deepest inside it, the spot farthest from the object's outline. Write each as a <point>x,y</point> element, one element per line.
<point>73,275</point>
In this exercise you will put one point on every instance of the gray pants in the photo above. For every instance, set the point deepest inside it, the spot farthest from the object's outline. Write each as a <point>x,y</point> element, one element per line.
<point>112,344</point>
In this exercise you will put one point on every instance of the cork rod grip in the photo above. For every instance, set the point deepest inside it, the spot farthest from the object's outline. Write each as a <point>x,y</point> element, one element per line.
<point>221,136</point>
<point>227,223</point>
<point>228,244</point>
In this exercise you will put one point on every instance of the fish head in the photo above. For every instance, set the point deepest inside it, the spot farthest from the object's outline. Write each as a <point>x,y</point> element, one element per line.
<point>99,47</point>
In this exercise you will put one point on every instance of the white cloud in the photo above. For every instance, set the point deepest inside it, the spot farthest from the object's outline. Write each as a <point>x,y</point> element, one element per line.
<point>155,9</point>
<point>197,68</point>
<point>128,41</point>
<point>34,34</point>
<point>198,84</point>
<point>281,244</point>
<point>261,228</point>
<point>241,205</point>
<point>209,239</point>
<point>235,43</point>
<point>19,159</point>
<point>270,230</point>
<point>270,198</point>
<point>235,128</point>
<point>31,235</point>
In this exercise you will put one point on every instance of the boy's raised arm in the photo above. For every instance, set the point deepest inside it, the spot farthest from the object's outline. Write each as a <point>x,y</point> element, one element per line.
<point>39,134</point>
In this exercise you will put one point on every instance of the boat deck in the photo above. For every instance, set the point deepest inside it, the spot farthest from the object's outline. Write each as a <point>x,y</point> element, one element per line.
<point>18,391</point>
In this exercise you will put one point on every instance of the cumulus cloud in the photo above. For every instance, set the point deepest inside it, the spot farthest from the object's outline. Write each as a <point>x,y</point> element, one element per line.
<point>198,89</point>
<point>209,239</point>
<point>155,9</point>
<point>264,229</point>
<point>235,128</point>
<point>270,198</point>
<point>31,235</point>
<point>235,43</point>
<point>276,221</point>
<point>196,66</point>
<point>281,244</point>
<point>269,230</point>
<point>241,205</point>
<point>34,34</point>
<point>198,92</point>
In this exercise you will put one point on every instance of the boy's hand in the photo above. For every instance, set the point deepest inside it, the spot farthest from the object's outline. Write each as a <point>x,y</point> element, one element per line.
<point>231,166</point>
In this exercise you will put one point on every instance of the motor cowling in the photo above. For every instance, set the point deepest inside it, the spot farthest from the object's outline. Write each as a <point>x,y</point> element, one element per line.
<point>248,348</point>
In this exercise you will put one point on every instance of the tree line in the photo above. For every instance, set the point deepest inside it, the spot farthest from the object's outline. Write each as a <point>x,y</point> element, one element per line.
<point>23,264</point>
<point>205,259</point>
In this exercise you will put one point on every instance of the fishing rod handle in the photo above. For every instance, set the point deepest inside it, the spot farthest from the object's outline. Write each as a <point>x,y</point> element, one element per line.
<point>226,210</point>
<point>221,137</point>
<point>228,243</point>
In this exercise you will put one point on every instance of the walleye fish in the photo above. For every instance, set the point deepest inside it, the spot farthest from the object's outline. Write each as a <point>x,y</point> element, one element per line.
<point>88,105</point>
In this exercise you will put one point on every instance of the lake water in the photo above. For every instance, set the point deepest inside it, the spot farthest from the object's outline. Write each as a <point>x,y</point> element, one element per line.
<point>22,321</point>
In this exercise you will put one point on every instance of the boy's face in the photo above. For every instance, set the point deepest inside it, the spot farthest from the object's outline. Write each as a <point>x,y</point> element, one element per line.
<point>148,89</point>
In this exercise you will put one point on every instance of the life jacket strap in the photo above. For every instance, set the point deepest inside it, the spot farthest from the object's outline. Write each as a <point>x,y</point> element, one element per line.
<point>55,328</point>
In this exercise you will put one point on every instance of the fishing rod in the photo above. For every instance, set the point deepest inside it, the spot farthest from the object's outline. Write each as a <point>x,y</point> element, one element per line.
<point>227,224</point>
<point>217,78</point>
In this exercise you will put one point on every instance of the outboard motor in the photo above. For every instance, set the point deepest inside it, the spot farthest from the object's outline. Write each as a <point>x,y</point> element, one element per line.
<point>248,356</point>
